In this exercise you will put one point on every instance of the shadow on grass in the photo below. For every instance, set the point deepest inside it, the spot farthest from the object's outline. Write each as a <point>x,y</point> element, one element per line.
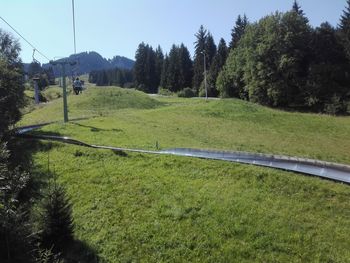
<point>120,153</point>
<point>95,129</point>
<point>22,150</point>
<point>80,251</point>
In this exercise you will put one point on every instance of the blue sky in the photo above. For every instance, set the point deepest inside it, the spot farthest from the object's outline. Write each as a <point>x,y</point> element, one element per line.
<point>116,27</point>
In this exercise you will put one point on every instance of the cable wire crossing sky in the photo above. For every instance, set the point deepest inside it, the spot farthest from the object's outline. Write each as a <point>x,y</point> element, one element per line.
<point>113,28</point>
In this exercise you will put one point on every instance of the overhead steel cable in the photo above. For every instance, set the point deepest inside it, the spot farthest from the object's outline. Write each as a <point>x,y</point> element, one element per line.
<point>19,34</point>
<point>75,45</point>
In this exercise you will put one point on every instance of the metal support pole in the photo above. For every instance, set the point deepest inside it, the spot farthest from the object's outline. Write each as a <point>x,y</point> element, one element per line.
<point>64,86</point>
<point>65,107</point>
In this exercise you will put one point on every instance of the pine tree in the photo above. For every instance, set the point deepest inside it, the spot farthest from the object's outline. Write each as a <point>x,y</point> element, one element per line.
<point>345,18</point>
<point>297,8</point>
<point>158,65</point>
<point>329,72</point>
<point>57,225</point>
<point>150,70</point>
<point>198,64</point>
<point>218,62</point>
<point>145,69</point>
<point>344,27</point>
<point>238,31</point>
<point>139,66</point>
<point>186,67</point>
<point>164,76</point>
<point>210,49</point>
<point>173,69</point>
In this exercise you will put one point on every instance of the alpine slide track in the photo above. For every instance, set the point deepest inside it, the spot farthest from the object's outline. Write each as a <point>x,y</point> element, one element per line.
<point>326,170</point>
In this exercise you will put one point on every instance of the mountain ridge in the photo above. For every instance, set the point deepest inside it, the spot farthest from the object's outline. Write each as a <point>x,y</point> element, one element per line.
<point>89,61</point>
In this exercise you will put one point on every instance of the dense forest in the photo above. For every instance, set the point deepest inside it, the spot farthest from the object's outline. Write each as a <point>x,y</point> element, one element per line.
<point>278,61</point>
<point>109,77</point>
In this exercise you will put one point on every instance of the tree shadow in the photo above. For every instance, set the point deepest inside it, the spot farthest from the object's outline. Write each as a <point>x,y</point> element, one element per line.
<point>22,150</point>
<point>120,153</point>
<point>95,129</point>
<point>79,251</point>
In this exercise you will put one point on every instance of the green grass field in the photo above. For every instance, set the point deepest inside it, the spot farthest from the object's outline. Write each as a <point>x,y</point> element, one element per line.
<point>138,207</point>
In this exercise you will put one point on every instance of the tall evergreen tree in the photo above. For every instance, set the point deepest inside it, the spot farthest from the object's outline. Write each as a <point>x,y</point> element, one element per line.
<point>218,62</point>
<point>159,59</point>
<point>198,63</point>
<point>177,73</point>
<point>238,31</point>
<point>173,69</point>
<point>57,222</point>
<point>164,76</point>
<point>210,49</point>
<point>139,66</point>
<point>145,69</point>
<point>344,27</point>
<point>297,8</point>
<point>186,67</point>
<point>329,72</point>
<point>151,77</point>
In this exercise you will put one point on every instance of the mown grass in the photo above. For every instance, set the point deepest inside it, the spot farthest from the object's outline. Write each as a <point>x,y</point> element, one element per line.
<point>132,119</point>
<point>161,208</point>
<point>137,207</point>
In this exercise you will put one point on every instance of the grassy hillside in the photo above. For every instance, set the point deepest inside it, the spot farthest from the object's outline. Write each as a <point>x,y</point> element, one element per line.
<point>132,119</point>
<point>138,207</point>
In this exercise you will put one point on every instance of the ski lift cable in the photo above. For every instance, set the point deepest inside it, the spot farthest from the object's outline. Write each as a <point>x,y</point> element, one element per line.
<point>30,44</point>
<point>75,69</point>
<point>75,45</point>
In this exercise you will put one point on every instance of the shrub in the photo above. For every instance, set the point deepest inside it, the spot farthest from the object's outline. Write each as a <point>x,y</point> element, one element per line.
<point>165,92</point>
<point>129,85</point>
<point>186,93</point>
<point>335,106</point>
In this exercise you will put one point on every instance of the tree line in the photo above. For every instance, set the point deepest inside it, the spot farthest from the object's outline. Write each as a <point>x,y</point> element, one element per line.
<point>278,61</point>
<point>110,77</point>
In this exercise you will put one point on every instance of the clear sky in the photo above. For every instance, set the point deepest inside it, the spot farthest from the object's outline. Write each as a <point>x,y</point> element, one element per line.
<point>116,27</point>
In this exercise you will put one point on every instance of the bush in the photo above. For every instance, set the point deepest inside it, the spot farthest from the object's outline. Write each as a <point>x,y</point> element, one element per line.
<point>186,93</point>
<point>129,85</point>
<point>335,106</point>
<point>165,92</point>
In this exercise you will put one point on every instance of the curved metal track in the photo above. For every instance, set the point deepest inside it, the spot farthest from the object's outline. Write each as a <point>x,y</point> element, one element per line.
<point>333,171</point>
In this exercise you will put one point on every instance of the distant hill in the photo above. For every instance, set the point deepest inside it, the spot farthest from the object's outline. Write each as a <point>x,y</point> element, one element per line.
<point>89,61</point>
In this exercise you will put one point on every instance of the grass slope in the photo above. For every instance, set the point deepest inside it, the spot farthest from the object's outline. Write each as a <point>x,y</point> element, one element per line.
<point>216,124</point>
<point>149,208</point>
